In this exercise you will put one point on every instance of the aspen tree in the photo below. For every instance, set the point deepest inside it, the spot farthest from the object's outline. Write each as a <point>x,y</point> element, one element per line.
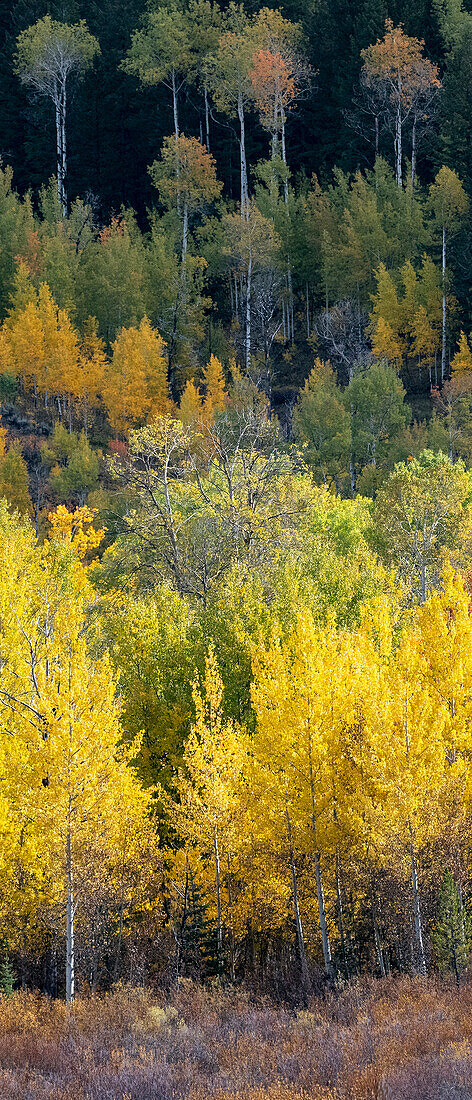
<point>49,54</point>
<point>291,699</point>
<point>449,204</point>
<point>208,786</point>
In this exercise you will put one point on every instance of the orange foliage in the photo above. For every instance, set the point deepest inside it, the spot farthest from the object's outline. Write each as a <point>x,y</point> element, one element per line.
<point>399,60</point>
<point>273,83</point>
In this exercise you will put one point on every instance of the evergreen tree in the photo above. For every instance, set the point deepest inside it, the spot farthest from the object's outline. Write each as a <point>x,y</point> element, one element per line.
<point>452,935</point>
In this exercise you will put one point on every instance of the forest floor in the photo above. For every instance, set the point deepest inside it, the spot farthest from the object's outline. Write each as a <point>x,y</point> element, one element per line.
<point>394,1040</point>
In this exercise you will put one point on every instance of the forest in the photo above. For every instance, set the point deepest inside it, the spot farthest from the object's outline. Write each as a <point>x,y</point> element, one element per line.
<point>236,528</point>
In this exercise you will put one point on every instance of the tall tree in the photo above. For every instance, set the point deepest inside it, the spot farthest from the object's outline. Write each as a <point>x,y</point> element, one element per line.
<point>185,176</point>
<point>229,69</point>
<point>48,55</point>
<point>160,52</point>
<point>449,204</point>
<point>404,80</point>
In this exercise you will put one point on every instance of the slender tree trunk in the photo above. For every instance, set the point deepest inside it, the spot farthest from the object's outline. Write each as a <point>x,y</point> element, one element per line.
<point>443,344</point>
<point>398,146</point>
<point>207,118</point>
<point>248,309</point>
<point>175,105</point>
<point>230,903</point>
<point>376,136</point>
<point>219,925</point>
<point>318,876</point>
<point>64,152</point>
<point>322,915</point>
<point>378,945</point>
<point>242,152</point>
<point>296,907</point>
<point>284,158</point>
<point>184,237</point>
<point>339,899</point>
<point>307,311</point>
<point>70,950</point>
<point>61,148</point>
<point>413,154</point>
<point>417,907</point>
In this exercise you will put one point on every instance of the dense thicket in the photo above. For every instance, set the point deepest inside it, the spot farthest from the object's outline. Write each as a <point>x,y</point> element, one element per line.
<point>235,457</point>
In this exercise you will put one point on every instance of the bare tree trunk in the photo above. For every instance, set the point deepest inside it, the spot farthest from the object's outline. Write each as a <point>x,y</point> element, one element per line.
<point>378,945</point>
<point>207,118</point>
<point>318,876</point>
<point>398,147</point>
<point>175,105</point>
<point>248,309</point>
<point>219,925</point>
<point>296,907</point>
<point>339,898</point>
<point>242,152</point>
<point>184,237</point>
<point>417,907</point>
<point>61,149</point>
<point>70,953</point>
<point>284,156</point>
<point>413,154</point>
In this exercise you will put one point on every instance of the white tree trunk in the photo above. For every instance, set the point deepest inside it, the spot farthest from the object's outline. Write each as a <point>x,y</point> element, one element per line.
<point>318,875</point>
<point>413,154</point>
<point>242,153</point>
<point>207,118</point>
<point>248,309</point>
<point>60,104</point>
<point>175,105</point>
<point>296,906</point>
<point>219,928</point>
<point>417,907</point>
<point>398,146</point>
<point>70,947</point>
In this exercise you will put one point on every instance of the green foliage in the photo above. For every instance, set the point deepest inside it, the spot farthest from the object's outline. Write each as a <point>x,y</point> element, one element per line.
<point>7,977</point>
<point>421,517</point>
<point>452,935</point>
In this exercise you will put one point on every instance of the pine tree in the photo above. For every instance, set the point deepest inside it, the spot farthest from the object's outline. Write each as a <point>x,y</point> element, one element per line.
<point>452,935</point>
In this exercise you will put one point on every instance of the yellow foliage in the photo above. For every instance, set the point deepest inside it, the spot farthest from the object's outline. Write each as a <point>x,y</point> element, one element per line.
<point>135,388</point>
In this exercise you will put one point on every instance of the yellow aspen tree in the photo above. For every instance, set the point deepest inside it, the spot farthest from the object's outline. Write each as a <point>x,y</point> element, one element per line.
<point>92,365</point>
<point>64,716</point>
<point>44,347</point>
<point>461,364</point>
<point>291,695</point>
<point>208,785</point>
<point>191,405</point>
<point>416,754</point>
<point>445,626</point>
<point>135,386</point>
<point>386,320</point>
<point>215,391</point>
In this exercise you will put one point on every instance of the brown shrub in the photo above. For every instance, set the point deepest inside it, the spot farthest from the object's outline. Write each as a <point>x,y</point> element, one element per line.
<point>391,1040</point>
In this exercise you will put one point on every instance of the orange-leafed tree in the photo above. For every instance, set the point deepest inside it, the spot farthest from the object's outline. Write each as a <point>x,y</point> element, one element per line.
<point>274,88</point>
<point>406,83</point>
<point>185,176</point>
<point>279,75</point>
